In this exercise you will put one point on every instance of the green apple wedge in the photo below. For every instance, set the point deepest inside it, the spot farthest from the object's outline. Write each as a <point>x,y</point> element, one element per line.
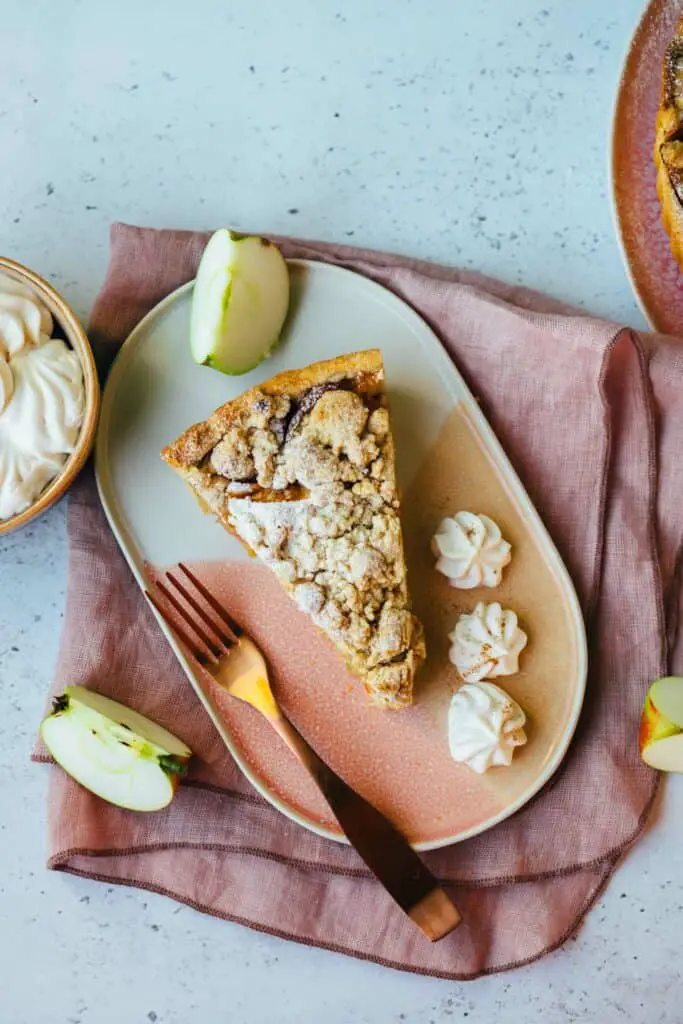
<point>240,302</point>
<point>661,725</point>
<point>114,751</point>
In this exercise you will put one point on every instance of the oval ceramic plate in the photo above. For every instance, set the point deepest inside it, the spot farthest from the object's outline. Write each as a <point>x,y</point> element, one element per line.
<point>655,275</point>
<point>398,760</point>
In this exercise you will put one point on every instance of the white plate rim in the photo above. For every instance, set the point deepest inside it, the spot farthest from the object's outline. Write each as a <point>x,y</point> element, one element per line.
<point>511,481</point>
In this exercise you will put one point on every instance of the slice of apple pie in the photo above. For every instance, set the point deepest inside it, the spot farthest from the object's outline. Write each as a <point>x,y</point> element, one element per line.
<point>301,469</point>
<point>668,152</point>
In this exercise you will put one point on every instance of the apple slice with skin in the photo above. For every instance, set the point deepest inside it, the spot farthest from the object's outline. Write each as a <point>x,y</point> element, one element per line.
<point>661,725</point>
<point>240,302</point>
<point>114,751</point>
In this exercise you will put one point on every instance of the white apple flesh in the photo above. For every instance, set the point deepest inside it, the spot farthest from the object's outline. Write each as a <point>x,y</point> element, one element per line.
<point>240,302</point>
<point>114,751</point>
<point>661,725</point>
<point>666,754</point>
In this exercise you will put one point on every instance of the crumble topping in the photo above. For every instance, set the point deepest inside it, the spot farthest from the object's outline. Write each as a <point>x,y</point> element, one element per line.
<point>338,547</point>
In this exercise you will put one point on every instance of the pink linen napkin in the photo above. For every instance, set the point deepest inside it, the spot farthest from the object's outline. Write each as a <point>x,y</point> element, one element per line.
<point>590,416</point>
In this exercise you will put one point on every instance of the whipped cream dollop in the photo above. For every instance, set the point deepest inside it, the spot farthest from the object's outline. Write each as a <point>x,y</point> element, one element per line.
<point>485,725</point>
<point>487,643</point>
<point>470,551</point>
<point>41,398</point>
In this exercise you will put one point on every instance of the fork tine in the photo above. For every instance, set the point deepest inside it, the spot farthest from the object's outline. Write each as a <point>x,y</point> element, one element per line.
<point>191,644</point>
<point>213,647</point>
<point>220,611</point>
<point>221,635</point>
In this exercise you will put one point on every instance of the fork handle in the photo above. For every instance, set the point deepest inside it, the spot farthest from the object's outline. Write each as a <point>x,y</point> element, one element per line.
<point>380,845</point>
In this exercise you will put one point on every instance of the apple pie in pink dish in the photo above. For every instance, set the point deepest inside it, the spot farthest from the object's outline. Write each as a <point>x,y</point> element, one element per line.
<point>302,470</point>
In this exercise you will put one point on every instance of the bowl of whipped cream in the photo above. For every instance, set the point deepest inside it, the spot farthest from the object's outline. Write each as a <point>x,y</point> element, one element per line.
<point>49,396</point>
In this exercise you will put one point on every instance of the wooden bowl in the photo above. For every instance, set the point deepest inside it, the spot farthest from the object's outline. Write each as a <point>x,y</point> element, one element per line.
<point>77,338</point>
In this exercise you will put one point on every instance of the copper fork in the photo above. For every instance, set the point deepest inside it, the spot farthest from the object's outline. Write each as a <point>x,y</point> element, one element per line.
<point>224,650</point>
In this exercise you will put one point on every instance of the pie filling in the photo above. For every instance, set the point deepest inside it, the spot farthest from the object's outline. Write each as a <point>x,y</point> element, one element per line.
<point>672,158</point>
<point>671,149</point>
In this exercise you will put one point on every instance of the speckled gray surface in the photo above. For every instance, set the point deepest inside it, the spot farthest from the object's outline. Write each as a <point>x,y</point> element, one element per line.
<point>472,133</point>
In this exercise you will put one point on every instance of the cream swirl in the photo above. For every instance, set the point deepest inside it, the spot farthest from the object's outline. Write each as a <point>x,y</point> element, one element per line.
<point>23,318</point>
<point>485,725</point>
<point>41,398</point>
<point>487,643</point>
<point>6,383</point>
<point>470,551</point>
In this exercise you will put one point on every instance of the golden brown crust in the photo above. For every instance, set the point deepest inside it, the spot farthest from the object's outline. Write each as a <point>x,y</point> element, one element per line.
<point>668,150</point>
<point>364,367</point>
